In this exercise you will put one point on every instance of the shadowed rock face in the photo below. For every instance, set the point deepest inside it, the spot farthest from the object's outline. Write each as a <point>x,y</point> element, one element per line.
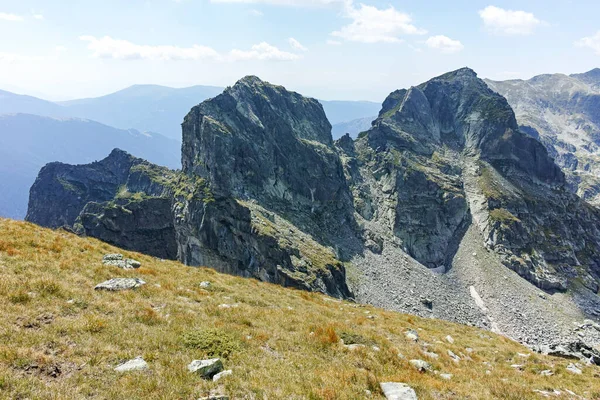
<point>265,192</point>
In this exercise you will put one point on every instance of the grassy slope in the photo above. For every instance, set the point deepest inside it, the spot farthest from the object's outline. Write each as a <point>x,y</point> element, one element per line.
<point>61,339</point>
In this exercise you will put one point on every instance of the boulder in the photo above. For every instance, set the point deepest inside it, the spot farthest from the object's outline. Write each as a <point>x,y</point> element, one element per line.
<point>421,365</point>
<point>222,374</point>
<point>207,369</point>
<point>117,284</point>
<point>137,364</point>
<point>397,391</point>
<point>117,260</point>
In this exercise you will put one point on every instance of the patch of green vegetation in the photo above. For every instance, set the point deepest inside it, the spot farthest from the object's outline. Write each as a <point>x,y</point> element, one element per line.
<point>503,216</point>
<point>192,188</point>
<point>66,184</point>
<point>213,342</point>
<point>355,338</point>
<point>488,184</point>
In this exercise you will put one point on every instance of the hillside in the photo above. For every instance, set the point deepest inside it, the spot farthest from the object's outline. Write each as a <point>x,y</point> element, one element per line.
<point>61,339</point>
<point>28,142</point>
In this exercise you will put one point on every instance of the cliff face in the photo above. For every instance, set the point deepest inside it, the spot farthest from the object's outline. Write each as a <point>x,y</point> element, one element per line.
<point>266,193</point>
<point>563,112</point>
<point>449,153</point>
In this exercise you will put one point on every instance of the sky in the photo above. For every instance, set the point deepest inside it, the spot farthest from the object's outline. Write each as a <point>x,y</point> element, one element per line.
<point>329,49</point>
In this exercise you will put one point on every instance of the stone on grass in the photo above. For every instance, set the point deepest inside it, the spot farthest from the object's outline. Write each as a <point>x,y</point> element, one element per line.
<point>137,364</point>
<point>421,365</point>
<point>354,346</point>
<point>431,354</point>
<point>205,284</point>
<point>547,372</point>
<point>574,369</point>
<point>412,335</point>
<point>397,391</point>
<point>450,339</point>
<point>453,356</point>
<point>206,368</point>
<point>116,284</point>
<point>446,376</point>
<point>117,260</point>
<point>222,374</point>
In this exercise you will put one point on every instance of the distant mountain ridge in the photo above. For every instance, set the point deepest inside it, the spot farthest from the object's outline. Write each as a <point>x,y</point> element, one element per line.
<point>156,108</point>
<point>28,142</point>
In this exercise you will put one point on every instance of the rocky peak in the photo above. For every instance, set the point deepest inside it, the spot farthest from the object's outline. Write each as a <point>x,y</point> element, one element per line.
<point>260,141</point>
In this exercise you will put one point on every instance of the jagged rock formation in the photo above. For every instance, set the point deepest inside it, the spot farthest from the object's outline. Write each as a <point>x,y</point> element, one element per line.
<point>266,193</point>
<point>449,153</point>
<point>563,112</point>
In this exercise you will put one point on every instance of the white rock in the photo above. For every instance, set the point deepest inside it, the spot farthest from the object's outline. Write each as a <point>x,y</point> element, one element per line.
<point>205,284</point>
<point>206,368</point>
<point>137,364</point>
<point>546,372</point>
<point>222,374</point>
<point>354,346</point>
<point>573,369</point>
<point>398,391</point>
<point>431,354</point>
<point>453,356</point>
<point>117,284</point>
<point>446,376</point>
<point>421,365</point>
<point>412,335</point>
<point>450,339</point>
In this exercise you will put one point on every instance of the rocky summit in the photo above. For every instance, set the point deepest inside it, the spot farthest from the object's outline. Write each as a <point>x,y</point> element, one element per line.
<point>444,208</point>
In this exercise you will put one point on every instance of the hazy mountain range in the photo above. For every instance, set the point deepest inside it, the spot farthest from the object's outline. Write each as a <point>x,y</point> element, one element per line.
<point>156,108</point>
<point>28,142</point>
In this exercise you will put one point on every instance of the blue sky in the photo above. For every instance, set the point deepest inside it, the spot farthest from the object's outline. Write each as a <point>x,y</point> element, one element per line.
<point>331,49</point>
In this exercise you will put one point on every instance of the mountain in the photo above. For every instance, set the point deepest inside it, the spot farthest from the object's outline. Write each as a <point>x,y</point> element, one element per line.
<point>27,142</point>
<point>353,128</point>
<point>444,208</point>
<point>144,107</point>
<point>564,113</point>
<point>155,108</point>
<point>11,103</point>
<point>60,335</point>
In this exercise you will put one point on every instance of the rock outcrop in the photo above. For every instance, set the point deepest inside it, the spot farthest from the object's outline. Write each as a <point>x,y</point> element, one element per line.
<point>266,193</point>
<point>563,112</point>
<point>449,153</point>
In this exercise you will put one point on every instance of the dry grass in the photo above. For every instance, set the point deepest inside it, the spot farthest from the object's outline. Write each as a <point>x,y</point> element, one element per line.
<point>60,339</point>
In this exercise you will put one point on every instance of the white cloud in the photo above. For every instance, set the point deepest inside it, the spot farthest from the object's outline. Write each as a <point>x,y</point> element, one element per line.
<point>508,22</point>
<point>14,58</point>
<point>256,13</point>
<point>107,47</point>
<point>10,17</point>
<point>371,25</point>
<point>296,45</point>
<point>262,52</point>
<point>295,3</point>
<point>333,42</point>
<point>444,44</point>
<point>592,42</point>
<point>38,16</point>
